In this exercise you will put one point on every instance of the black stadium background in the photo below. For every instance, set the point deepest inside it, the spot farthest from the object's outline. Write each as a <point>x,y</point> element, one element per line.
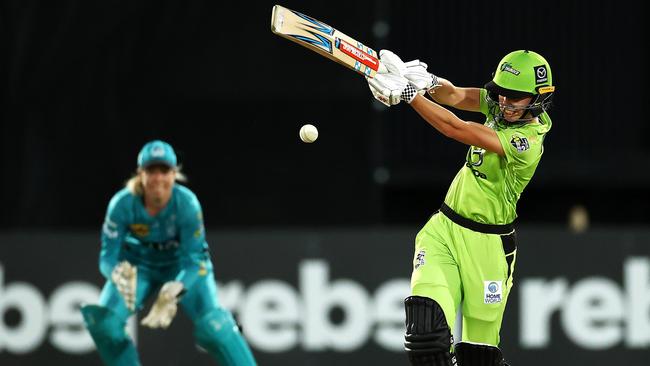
<point>86,83</point>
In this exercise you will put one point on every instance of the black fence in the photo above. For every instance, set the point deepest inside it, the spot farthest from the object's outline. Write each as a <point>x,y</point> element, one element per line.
<point>324,297</point>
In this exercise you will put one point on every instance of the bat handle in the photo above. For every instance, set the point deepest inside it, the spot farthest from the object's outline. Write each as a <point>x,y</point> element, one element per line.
<point>382,69</point>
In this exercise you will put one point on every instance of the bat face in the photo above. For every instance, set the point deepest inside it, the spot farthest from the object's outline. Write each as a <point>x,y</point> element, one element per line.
<point>303,28</point>
<point>325,40</point>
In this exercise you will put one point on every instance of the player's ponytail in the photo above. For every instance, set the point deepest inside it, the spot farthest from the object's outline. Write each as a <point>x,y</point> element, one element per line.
<point>134,185</point>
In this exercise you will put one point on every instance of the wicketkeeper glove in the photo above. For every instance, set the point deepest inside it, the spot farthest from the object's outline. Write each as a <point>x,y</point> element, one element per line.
<point>125,277</point>
<point>164,309</point>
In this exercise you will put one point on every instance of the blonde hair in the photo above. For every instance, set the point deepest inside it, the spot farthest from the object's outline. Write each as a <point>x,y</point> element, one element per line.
<point>135,186</point>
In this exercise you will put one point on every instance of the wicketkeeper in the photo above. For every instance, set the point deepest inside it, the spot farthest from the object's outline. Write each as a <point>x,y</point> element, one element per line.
<point>465,254</point>
<point>153,244</point>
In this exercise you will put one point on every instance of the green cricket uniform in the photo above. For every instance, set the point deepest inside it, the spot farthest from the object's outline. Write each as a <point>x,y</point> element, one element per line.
<point>467,250</point>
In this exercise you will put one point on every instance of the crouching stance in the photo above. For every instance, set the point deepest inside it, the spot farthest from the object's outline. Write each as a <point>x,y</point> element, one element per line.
<point>153,244</point>
<point>465,254</point>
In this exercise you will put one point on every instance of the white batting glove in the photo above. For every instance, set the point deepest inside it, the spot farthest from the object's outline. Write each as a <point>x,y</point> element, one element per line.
<point>392,62</point>
<point>415,71</point>
<point>125,277</point>
<point>390,89</point>
<point>164,309</point>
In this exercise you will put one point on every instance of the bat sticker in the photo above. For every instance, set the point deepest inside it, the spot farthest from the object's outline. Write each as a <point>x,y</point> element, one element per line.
<point>358,54</point>
<point>320,41</point>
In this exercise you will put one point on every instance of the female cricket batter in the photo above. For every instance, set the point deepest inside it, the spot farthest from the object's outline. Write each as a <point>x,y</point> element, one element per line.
<point>466,251</point>
<point>153,241</point>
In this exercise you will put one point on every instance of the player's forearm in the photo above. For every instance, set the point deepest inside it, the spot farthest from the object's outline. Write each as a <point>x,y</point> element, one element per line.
<point>111,237</point>
<point>193,266</point>
<point>188,276</point>
<point>438,117</point>
<point>194,256</point>
<point>108,258</point>
<point>467,99</point>
<point>446,93</point>
<point>469,133</point>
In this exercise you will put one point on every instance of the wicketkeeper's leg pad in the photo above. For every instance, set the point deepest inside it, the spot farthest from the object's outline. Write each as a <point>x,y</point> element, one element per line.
<point>218,333</point>
<point>472,354</point>
<point>428,338</point>
<point>108,331</point>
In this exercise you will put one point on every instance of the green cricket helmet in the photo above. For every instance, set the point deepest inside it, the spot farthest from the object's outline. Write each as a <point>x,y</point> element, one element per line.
<point>523,74</point>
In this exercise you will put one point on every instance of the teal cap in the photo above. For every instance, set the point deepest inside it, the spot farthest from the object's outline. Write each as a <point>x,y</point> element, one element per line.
<point>156,152</point>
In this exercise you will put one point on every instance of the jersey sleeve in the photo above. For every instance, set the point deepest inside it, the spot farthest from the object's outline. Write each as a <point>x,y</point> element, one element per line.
<point>192,243</point>
<point>114,230</point>
<point>521,146</point>
<point>523,149</point>
<point>483,105</point>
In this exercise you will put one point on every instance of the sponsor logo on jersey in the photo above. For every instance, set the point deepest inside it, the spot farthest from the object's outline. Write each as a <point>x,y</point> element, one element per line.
<point>140,230</point>
<point>202,269</point>
<point>520,143</point>
<point>419,259</point>
<point>492,291</point>
<point>475,159</point>
<point>541,75</point>
<point>198,232</point>
<point>475,156</point>
<point>507,67</point>
<point>476,173</point>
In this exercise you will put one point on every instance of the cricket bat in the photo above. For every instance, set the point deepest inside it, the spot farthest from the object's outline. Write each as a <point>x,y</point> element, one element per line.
<point>325,40</point>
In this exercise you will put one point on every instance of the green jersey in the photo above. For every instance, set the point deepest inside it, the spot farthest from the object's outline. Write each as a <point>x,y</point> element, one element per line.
<point>488,186</point>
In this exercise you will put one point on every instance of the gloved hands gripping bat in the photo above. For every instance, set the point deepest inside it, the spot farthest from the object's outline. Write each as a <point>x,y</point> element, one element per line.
<point>400,80</point>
